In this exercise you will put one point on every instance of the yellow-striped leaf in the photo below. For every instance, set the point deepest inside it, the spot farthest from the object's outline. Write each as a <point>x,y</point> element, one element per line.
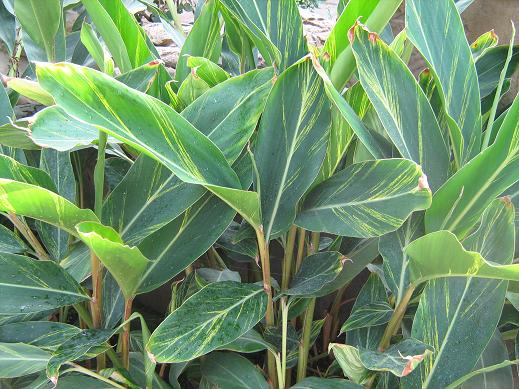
<point>150,126</point>
<point>402,106</point>
<point>366,199</point>
<point>291,144</point>
<point>218,314</point>
<point>436,30</point>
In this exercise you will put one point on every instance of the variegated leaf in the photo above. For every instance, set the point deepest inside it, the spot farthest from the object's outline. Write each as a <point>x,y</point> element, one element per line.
<point>441,39</point>
<point>218,314</point>
<point>291,144</point>
<point>402,106</point>
<point>366,199</point>
<point>18,359</point>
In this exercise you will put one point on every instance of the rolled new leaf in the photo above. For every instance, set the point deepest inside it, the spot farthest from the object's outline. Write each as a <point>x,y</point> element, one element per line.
<point>366,199</point>
<point>217,315</point>
<point>127,264</point>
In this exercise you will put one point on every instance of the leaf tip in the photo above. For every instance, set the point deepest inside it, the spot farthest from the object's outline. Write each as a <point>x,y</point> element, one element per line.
<point>423,183</point>
<point>351,31</point>
<point>507,201</point>
<point>54,380</point>
<point>151,357</point>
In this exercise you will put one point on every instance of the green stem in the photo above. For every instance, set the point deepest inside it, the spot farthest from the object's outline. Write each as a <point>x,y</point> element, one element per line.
<point>300,247</point>
<point>284,319</point>
<point>488,369</point>
<point>269,316</point>
<point>396,319</point>
<point>345,64</point>
<point>287,260</point>
<point>304,346</point>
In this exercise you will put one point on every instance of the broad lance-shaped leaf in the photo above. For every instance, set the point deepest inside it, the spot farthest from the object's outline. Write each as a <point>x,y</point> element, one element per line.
<point>14,170</point>
<point>240,373</point>
<point>227,114</point>
<point>151,127</point>
<point>458,315</point>
<point>400,359</point>
<point>315,273</point>
<point>207,70</point>
<point>440,37</point>
<point>275,27</point>
<point>366,199</point>
<point>291,144</point>
<point>41,22</point>
<point>42,204</point>
<point>44,334</point>
<point>368,315</point>
<point>459,203</point>
<point>127,264</point>
<point>402,106</point>
<point>28,285</point>
<point>18,359</point>
<point>218,314</point>
<point>392,249</point>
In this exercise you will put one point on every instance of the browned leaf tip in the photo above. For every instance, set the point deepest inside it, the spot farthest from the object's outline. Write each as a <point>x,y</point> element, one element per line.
<point>507,201</point>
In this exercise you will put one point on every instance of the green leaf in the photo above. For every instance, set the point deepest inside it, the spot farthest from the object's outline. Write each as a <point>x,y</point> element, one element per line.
<point>401,105</point>
<point>192,88</point>
<point>172,248</point>
<point>13,170</point>
<point>10,242</point>
<point>92,43</point>
<point>31,90</point>
<point>15,134</point>
<point>490,64</point>
<point>483,43</point>
<point>58,165</point>
<point>325,383</point>
<point>18,359</point>
<point>44,334</point>
<point>495,353</point>
<point>373,314</point>
<point>41,204</point>
<point>232,371</point>
<point>315,273</point>
<point>127,264</point>
<point>203,40</point>
<point>400,359</point>
<point>336,44</point>
<point>366,199</point>
<point>35,286</point>
<point>235,109</point>
<point>218,314</point>
<point>75,348</point>
<point>462,199</point>
<point>250,342</point>
<point>122,112</point>
<point>392,249</point>
<point>275,27</point>
<point>440,37</point>
<point>458,315</point>
<point>289,154</point>
<point>41,22</point>
<point>8,28</point>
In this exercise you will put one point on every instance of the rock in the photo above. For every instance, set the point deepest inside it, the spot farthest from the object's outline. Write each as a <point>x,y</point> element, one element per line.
<point>169,55</point>
<point>157,34</point>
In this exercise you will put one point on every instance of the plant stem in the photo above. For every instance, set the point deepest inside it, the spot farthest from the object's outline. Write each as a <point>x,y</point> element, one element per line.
<point>17,52</point>
<point>396,319</point>
<point>287,260</point>
<point>345,64</point>
<point>28,235</point>
<point>125,336</point>
<point>269,317</point>
<point>304,346</point>
<point>284,327</point>
<point>334,312</point>
<point>97,268</point>
<point>300,247</point>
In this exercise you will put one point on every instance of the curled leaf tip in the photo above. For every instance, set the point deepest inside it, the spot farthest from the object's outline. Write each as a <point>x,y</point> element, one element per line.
<point>326,56</point>
<point>345,259</point>
<point>423,183</point>
<point>155,62</point>
<point>54,380</point>
<point>507,201</point>
<point>351,31</point>
<point>373,37</point>
<point>152,358</point>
